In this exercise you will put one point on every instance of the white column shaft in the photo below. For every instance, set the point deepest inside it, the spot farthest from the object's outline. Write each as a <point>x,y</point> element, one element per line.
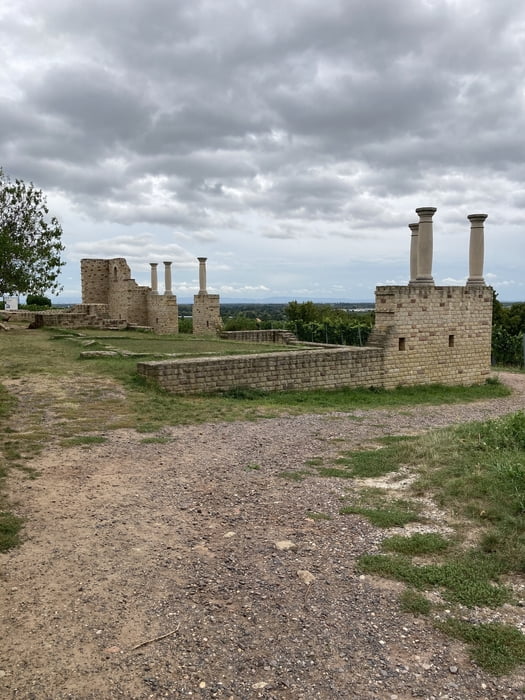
<point>202,275</point>
<point>477,248</point>
<point>167,279</point>
<point>425,245</point>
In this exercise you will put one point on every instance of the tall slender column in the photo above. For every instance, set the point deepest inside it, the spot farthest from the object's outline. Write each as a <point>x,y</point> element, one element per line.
<point>167,279</point>
<point>154,280</point>
<point>202,275</point>
<point>477,249</point>
<point>425,245</point>
<point>414,228</point>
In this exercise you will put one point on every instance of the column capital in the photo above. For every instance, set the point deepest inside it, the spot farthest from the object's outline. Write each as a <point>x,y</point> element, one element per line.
<point>476,220</point>
<point>425,213</point>
<point>414,228</point>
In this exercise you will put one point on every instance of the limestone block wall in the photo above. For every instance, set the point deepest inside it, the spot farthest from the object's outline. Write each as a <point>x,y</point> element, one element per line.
<point>163,313</point>
<point>433,334</point>
<point>303,369</point>
<point>206,314</point>
<point>423,334</point>
<point>95,281</point>
<point>73,318</point>
<point>271,335</point>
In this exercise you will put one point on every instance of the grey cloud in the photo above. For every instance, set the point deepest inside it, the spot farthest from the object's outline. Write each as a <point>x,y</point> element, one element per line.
<point>315,120</point>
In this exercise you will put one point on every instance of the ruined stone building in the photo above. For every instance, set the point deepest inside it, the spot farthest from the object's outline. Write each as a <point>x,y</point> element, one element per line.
<point>108,285</point>
<point>423,334</point>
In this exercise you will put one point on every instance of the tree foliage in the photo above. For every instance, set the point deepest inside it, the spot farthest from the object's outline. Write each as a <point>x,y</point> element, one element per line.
<point>30,240</point>
<point>508,329</point>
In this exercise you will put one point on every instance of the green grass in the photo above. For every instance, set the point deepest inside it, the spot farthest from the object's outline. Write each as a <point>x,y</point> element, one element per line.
<point>10,526</point>
<point>378,506</point>
<point>334,472</point>
<point>495,647</point>
<point>467,579</point>
<point>414,602</point>
<point>397,514</point>
<point>378,462</point>
<point>418,544</point>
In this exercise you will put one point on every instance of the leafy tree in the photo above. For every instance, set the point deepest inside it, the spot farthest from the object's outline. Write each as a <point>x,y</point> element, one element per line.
<point>30,241</point>
<point>38,300</point>
<point>307,311</point>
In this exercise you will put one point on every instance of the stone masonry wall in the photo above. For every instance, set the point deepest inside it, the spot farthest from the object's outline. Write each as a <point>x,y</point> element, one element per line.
<point>109,282</point>
<point>303,369</point>
<point>95,281</point>
<point>163,313</point>
<point>434,335</point>
<point>271,335</point>
<point>206,314</point>
<point>422,334</point>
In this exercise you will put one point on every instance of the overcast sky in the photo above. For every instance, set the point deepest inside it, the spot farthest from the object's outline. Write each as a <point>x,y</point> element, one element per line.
<point>288,141</point>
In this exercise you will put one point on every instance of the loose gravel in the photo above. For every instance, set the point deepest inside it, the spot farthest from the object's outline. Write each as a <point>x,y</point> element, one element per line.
<point>191,568</point>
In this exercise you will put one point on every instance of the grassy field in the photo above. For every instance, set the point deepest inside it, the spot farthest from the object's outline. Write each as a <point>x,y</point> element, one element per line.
<point>475,473</point>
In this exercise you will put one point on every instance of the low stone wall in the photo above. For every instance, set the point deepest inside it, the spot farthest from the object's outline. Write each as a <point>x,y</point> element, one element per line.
<point>271,335</point>
<point>280,371</point>
<point>65,319</point>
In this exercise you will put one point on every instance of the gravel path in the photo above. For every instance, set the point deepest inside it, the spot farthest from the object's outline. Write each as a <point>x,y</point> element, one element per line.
<point>190,568</point>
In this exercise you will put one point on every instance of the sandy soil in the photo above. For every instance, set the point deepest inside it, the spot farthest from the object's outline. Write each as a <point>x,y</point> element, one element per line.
<point>191,568</point>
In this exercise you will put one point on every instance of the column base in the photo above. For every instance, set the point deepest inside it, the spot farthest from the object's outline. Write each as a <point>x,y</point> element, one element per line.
<point>428,281</point>
<point>475,282</point>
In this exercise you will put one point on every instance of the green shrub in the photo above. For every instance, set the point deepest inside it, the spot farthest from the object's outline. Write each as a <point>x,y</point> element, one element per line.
<point>38,300</point>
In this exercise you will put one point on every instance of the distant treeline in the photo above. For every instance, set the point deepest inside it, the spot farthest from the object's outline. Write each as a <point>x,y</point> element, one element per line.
<point>338,324</point>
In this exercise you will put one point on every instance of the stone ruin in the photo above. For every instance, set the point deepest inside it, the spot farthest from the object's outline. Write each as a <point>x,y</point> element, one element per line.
<point>422,334</point>
<point>111,299</point>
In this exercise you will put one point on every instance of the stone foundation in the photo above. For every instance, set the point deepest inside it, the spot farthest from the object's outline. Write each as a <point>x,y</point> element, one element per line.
<point>422,335</point>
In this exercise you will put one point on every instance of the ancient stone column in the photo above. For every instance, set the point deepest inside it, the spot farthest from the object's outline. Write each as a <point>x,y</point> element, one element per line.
<point>425,245</point>
<point>154,281</point>
<point>167,279</point>
<point>202,275</point>
<point>476,250</point>
<point>414,228</point>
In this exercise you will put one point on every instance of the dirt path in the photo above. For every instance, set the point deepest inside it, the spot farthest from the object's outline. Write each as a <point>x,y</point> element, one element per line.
<point>128,542</point>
